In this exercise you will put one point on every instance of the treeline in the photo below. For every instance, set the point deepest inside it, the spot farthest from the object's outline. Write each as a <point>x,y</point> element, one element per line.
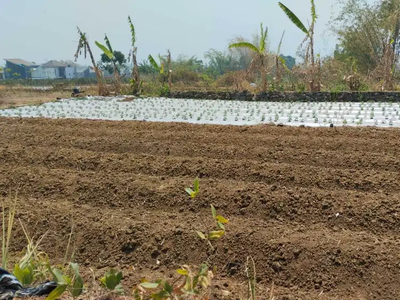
<point>365,58</point>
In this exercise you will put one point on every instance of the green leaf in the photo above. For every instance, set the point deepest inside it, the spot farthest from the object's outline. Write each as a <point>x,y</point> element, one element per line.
<point>203,269</point>
<point>213,211</point>
<point>162,295</point>
<point>105,50</point>
<point>263,39</point>
<point>220,225</point>
<point>221,219</point>
<point>283,62</point>
<point>280,43</point>
<point>149,285</point>
<point>108,43</point>
<point>295,20</point>
<point>188,285</point>
<point>58,276</point>
<point>196,185</point>
<point>75,268</point>
<point>57,292</point>
<point>168,288</point>
<point>201,235</point>
<point>213,235</point>
<point>25,276</point>
<point>119,289</point>
<point>77,287</point>
<point>245,45</point>
<point>162,69</point>
<point>133,32</point>
<point>182,272</point>
<point>313,12</point>
<point>153,63</point>
<point>112,279</point>
<point>77,283</point>
<point>190,192</point>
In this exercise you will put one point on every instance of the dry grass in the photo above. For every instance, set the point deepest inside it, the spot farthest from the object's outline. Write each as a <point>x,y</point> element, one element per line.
<point>21,95</point>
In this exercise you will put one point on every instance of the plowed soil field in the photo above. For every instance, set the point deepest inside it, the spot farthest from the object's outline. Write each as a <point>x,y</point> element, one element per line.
<point>317,209</point>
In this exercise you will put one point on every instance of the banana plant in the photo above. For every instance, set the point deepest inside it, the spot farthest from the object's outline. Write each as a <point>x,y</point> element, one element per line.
<point>159,67</point>
<point>135,81</point>
<point>279,60</point>
<point>309,37</point>
<point>260,60</point>
<point>83,46</point>
<point>110,54</point>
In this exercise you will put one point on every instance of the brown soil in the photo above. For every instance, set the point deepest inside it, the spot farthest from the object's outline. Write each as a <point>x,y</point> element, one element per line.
<point>317,209</point>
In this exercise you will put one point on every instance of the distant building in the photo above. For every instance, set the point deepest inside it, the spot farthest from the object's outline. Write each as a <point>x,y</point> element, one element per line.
<point>54,69</point>
<point>80,72</point>
<point>1,74</point>
<point>70,69</point>
<point>19,68</point>
<point>89,73</point>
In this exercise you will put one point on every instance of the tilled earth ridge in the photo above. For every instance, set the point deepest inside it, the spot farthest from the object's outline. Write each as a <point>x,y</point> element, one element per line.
<point>317,208</point>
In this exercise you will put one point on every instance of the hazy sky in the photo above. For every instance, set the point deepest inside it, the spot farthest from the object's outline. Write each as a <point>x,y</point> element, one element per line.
<point>40,30</point>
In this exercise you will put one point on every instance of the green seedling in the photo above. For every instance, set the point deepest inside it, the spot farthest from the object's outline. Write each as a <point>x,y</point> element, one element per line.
<point>25,275</point>
<point>195,192</point>
<point>112,281</point>
<point>214,234</point>
<point>189,284</point>
<point>72,283</point>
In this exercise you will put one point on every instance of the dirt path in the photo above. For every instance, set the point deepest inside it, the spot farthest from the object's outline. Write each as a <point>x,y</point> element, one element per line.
<point>318,209</point>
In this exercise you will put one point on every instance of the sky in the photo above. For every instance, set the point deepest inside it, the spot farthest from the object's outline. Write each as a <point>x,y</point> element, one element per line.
<point>41,30</point>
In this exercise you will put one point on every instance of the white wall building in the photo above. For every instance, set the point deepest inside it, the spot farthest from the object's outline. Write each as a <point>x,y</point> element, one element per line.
<point>70,72</point>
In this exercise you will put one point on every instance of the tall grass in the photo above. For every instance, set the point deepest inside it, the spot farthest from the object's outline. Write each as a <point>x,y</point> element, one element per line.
<point>6,236</point>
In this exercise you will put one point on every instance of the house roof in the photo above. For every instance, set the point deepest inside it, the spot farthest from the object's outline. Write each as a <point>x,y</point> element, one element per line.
<point>17,61</point>
<point>69,63</point>
<point>53,64</point>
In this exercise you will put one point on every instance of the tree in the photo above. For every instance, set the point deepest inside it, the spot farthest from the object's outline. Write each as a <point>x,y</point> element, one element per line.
<point>368,37</point>
<point>108,65</point>
<point>83,45</point>
<point>309,37</point>
<point>290,61</point>
<point>260,50</point>
<point>109,53</point>
<point>158,67</point>
<point>135,81</point>
<point>219,62</point>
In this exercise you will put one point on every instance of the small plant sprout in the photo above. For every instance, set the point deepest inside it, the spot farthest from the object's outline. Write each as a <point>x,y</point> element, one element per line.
<point>215,234</point>
<point>73,283</point>
<point>112,281</point>
<point>25,276</point>
<point>188,285</point>
<point>195,192</point>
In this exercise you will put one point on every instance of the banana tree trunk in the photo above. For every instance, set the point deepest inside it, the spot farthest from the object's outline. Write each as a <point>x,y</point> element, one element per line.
<point>312,86</point>
<point>278,73</point>
<point>169,72</point>
<point>117,82</point>
<point>264,75</point>
<point>103,91</point>
<point>135,72</point>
